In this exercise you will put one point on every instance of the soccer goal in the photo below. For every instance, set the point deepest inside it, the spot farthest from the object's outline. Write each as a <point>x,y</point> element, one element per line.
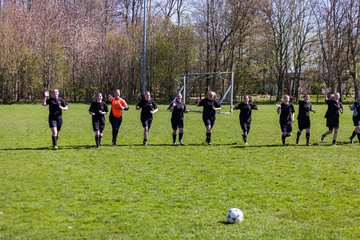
<point>193,87</point>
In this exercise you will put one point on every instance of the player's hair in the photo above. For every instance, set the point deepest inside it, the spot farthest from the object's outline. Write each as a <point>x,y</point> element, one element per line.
<point>212,93</point>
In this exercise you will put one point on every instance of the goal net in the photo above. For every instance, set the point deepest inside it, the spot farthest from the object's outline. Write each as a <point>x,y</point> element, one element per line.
<point>194,86</point>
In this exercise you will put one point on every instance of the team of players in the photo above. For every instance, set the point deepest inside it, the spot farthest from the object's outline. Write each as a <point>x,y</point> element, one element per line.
<point>99,109</point>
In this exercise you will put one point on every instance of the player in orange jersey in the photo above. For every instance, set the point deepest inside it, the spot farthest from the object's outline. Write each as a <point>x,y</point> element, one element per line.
<point>117,106</point>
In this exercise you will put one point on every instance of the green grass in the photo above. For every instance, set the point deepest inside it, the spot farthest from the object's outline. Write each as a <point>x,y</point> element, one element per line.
<point>183,192</point>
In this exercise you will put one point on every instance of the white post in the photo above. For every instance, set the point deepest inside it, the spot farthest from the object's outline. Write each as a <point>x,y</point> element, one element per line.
<point>232,91</point>
<point>184,91</point>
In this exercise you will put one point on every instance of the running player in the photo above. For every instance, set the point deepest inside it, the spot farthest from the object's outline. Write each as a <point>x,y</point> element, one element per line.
<point>246,108</point>
<point>97,110</point>
<point>178,108</point>
<point>287,114</point>
<point>56,105</point>
<point>304,118</point>
<point>148,108</point>
<point>355,107</point>
<point>117,106</point>
<point>332,116</point>
<point>210,106</point>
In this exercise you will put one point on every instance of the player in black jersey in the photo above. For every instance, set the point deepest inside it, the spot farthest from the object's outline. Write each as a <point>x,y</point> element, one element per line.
<point>246,108</point>
<point>178,108</point>
<point>287,114</point>
<point>332,116</point>
<point>97,110</point>
<point>303,117</point>
<point>56,105</point>
<point>148,108</point>
<point>210,106</point>
<point>355,107</point>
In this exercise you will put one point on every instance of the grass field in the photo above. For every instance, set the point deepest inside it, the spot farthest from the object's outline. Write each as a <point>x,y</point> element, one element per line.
<point>161,191</point>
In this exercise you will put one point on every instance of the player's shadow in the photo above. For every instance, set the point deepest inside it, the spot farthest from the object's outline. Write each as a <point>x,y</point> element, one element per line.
<point>289,145</point>
<point>47,148</point>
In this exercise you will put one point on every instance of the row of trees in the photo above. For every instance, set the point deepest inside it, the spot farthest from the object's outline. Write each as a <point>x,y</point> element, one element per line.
<point>82,47</point>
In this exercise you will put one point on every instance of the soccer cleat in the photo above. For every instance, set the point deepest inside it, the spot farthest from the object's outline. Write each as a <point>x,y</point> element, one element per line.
<point>333,144</point>
<point>209,143</point>
<point>297,141</point>
<point>174,143</point>
<point>308,144</point>
<point>245,143</point>
<point>145,143</point>
<point>55,147</point>
<point>181,143</point>
<point>351,141</point>
<point>114,144</point>
<point>322,138</point>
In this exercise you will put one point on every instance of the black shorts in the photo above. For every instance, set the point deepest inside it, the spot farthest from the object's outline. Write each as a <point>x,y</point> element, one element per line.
<point>303,123</point>
<point>146,122</point>
<point>245,126</point>
<point>209,121</point>
<point>98,125</point>
<point>356,120</point>
<point>286,127</point>
<point>177,123</point>
<point>55,122</point>
<point>332,123</point>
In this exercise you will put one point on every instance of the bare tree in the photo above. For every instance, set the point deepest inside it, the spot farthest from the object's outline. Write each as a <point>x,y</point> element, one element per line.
<point>330,18</point>
<point>352,19</point>
<point>302,40</point>
<point>279,17</point>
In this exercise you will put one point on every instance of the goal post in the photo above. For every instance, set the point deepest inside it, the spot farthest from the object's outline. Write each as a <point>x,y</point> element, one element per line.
<point>228,91</point>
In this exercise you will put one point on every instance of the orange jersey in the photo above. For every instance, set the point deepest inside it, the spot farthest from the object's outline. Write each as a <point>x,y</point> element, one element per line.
<point>116,105</point>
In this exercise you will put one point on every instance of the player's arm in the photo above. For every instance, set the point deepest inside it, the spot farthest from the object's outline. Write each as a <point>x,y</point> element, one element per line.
<point>171,106</point>
<point>186,110</point>
<point>155,109</point>
<point>64,105</point>
<point>46,97</point>
<point>91,111</point>
<point>278,110</point>
<point>124,106</point>
<point>341,108</point>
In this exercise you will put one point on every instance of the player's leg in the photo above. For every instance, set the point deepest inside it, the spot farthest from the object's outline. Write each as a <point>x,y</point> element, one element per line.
<point>54,136</point>
<point>298,133</point>
<point>308,136</point>
<point>329,124</point>
<point>174,127</point>
<point>335,136</point>
<point>354,133</point>
<point>115,129</point>
<point>181,131</point>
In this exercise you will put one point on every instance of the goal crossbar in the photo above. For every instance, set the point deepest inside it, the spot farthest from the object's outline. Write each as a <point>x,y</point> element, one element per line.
<point>229,89</point>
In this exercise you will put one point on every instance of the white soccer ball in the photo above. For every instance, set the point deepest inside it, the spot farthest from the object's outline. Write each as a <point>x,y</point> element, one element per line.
<point>235,215</point>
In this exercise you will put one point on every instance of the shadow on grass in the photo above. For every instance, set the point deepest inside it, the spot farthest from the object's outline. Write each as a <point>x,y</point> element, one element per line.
<point>233,145</point>
<point>225,223</point>
<point>46,148</point>
<point>291,145</point>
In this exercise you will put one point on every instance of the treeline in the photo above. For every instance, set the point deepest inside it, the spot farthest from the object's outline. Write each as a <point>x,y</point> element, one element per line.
<point>83,47</point>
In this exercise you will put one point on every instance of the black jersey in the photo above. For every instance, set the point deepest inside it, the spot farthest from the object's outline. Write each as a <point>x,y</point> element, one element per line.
<point>356,109</point>
<point>209,106</point>
<point>304,110</point>
<point>334,109</point>
<point>146,108</point>
<point>54,106</point>
<point>96,107</point>
<point>286,111</point>
<point>178,110</point>
<point>245,111</point>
